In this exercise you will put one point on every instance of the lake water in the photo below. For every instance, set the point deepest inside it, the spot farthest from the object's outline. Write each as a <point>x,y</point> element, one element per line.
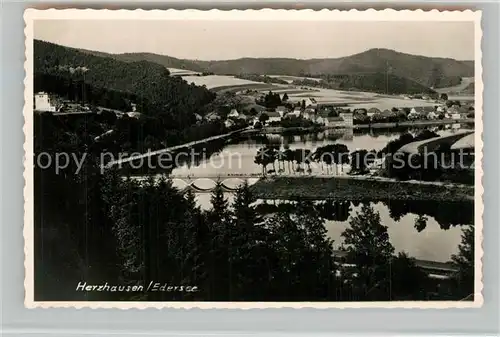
<point>432,243</point>
<point>239,157</point>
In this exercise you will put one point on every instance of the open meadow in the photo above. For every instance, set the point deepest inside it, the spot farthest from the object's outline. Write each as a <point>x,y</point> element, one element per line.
<point>350,99</point>
<point>220,81</point>
<point>181,72</point>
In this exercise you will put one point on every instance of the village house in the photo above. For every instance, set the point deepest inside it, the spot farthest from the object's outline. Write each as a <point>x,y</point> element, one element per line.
<point>43,102</point>
<point>282,110</point>
<point>420,112</point>
<point>453,111</point>
<point>242,116</point>
<point>229,123</point>
<point>432,115</point>
<point>348,118</point>
<point>320,117</point>
<point>212,116</point>
<point>414,114</point>
<point>334,122</point>
<point>440,109</point>
<point>296,113</point>
<point>198,118</point>
<point>308,113</point>
<point>134,114</point>
<point>273,117</point>
<point>233,113</point>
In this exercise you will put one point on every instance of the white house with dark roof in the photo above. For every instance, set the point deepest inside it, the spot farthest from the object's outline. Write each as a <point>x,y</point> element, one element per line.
<point>229,123</point>
<point>308,113</point>
<point>334,121</point>
<point>233,113</point>
<point>348,118</point>
<point>43,102</point>
<point>274,116</point>
<point>282,110</point>
<point>212,116</point>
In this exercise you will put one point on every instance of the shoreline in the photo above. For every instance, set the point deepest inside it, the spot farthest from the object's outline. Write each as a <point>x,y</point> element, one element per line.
<point>352,188</point>
<point>415,123</point>
<point>281,129</point>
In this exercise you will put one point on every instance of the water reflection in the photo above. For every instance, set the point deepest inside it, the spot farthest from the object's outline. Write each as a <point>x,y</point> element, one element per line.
<point>425,230</point>
<point>238,154</point>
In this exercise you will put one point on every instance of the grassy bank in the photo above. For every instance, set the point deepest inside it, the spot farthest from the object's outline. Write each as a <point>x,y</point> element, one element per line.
<point>356,189</point>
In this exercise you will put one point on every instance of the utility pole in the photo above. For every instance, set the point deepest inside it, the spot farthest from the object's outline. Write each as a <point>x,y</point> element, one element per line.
<point>387,77</point>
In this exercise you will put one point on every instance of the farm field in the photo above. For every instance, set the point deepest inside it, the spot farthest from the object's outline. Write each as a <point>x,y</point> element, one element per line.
<point>351,99</point>
<point>357,99</point>
<point>458,88</point>
<point>290,79</point>
<point>218,81</point>
<point>181,72</point>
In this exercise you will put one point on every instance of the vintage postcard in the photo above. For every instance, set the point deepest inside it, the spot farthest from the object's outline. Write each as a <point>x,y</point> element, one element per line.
<point>253,159</point>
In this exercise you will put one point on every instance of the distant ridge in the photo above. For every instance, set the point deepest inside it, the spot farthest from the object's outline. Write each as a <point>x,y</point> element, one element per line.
<point>427,71</point>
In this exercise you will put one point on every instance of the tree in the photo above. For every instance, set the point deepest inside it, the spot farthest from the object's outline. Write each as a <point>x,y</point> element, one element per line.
<point>341,155</point>
<point>301,258</point>
<point>243,211</point>
<point>285,97</point>
<point>359,161</point>
<point>325,155</point>
<point>257,125</point>
<point>303,104</point>
<point>465,263</point>
<point>218,260</point>
<point>220,206</point>
<point>443,97</point>
<point>298,156</point>
<point>420,222</point>
<point>244,241</point>
<point>265,156</point>
<point>369,249</point>
<point>272,100</point>
<point>408,281</point>
<point>263,118</point>
<point>288,156</point>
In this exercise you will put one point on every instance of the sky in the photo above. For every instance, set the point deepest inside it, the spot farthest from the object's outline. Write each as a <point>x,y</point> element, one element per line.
<point>224,40</point>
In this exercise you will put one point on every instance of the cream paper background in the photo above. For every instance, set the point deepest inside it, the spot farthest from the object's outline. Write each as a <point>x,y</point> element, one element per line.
<point>32,15</point>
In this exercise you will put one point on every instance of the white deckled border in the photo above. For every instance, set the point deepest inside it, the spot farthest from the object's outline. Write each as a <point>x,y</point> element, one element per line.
<point>31,15</point>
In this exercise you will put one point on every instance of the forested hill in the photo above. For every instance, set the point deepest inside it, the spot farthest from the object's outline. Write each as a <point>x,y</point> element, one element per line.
<point>111,83</point>
<point>373,82</point>
<point>166,61</point>
<point>427,71</point>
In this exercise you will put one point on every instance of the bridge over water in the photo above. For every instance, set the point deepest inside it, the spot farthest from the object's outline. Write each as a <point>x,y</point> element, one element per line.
<point>230,182</point>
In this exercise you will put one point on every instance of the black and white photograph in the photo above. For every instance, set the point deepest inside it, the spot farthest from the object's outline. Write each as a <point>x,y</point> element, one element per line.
<point>253,159</point>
